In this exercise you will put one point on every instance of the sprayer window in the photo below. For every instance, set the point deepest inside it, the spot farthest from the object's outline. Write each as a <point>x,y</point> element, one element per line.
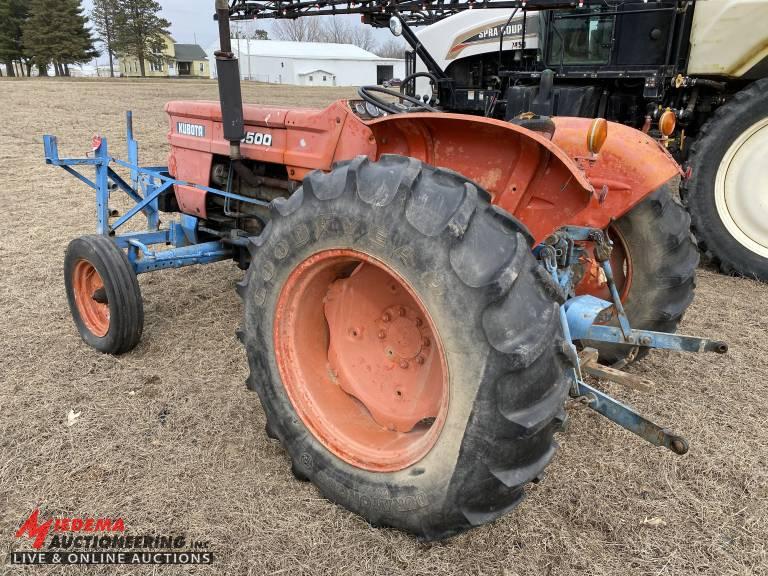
<point>585,40</point>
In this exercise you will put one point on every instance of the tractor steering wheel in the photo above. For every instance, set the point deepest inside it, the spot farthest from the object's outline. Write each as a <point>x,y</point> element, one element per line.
<point>366,93</point>
<point>411,78</point>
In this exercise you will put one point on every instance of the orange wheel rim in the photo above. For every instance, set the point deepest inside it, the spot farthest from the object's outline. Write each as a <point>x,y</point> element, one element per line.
<point>361,360</point>
<point>90,298</point>
<point>594,282</point>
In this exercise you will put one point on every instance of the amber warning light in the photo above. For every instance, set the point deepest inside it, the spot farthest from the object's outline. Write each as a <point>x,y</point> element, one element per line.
<point>597,135</point>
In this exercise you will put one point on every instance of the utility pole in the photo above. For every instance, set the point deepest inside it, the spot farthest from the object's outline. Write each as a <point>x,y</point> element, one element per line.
<point>238,45</point>
<point>248,55</point>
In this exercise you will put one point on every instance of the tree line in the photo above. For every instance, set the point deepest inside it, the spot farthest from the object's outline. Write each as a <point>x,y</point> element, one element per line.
<point>41,33</point>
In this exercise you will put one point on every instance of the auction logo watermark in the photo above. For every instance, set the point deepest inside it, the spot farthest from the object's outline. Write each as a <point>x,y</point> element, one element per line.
<point>102,541</point>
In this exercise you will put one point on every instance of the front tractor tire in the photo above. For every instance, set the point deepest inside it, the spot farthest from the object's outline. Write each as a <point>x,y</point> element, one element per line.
<point>727,192</point>
<point>103,294</point>
<point>405,345</point>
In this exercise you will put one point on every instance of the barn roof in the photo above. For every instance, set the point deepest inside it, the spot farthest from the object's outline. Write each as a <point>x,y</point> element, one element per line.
<point>316,71</point>
<point>312,50</point>
<point>189,52</point>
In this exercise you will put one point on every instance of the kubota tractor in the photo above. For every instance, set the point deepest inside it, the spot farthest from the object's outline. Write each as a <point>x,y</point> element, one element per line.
<point>424,289</point>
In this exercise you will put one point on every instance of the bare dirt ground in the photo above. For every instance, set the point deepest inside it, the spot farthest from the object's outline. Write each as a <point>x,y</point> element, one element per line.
<point>609,505</point>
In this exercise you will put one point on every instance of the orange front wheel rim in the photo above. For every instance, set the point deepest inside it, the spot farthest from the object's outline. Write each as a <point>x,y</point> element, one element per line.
<point>90,298</point>
<point>361,360</point>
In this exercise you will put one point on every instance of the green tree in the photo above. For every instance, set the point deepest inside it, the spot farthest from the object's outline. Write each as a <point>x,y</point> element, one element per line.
<point>56,32</point>
<point>40,33</point>
<point>13,13</point>
<point>140,30</point>
<point>103,17</point>
<point>79,44</point>
<point>247,30</point>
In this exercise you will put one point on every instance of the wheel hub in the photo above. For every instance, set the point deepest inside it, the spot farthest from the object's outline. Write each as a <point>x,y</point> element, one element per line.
<point>91,298</point>
<point>378,354</point>
<point>361,360</point>
<point>594,281</point>
<point>401,337</point>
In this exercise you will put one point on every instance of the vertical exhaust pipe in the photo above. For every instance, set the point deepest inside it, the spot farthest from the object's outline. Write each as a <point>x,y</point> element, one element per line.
<point>228,73</point>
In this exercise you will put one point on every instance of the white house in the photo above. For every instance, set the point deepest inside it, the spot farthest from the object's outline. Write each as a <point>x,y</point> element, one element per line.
<point>310,63</point>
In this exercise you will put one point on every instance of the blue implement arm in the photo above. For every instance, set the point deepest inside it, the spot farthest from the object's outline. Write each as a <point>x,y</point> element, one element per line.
<point>580,318</point>
<point>144,187</point>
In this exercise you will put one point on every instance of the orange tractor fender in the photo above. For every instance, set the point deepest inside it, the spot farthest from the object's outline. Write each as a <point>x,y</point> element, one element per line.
<point>545,184</point>
<point>630,166</point>
<point>524,172</point>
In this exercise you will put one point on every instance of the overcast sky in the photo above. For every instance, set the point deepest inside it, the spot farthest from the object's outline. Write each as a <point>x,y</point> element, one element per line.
<point>192,21</point>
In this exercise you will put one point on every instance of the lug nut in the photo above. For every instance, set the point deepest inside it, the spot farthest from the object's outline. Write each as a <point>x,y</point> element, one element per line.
<point>426,342</point>
<point>382,334</point>
<point>420,360</point>
<point>401,311</point>
<point>386,317</point>
<point>419,321</point>
<point>403,364</point>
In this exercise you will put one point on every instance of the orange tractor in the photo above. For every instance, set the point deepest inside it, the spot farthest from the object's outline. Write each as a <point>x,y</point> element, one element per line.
<point>424,289</point>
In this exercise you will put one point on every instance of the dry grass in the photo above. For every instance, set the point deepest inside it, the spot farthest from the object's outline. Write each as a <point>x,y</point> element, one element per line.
<point>209,469</point>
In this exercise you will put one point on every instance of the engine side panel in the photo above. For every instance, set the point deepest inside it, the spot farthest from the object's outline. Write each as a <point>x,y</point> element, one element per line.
<point>302,140</point>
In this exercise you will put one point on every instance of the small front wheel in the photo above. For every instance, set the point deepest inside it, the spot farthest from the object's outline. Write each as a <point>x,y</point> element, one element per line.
<point>104,295</point>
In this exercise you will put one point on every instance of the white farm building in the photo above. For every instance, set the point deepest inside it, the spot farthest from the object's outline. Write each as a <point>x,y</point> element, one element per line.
<point>310,63</point>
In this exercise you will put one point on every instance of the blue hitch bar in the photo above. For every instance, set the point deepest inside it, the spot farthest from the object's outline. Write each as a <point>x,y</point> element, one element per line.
<point>581,318</point>
<point>626,417</point>
<point>144,187</point>
<point>582,312</point>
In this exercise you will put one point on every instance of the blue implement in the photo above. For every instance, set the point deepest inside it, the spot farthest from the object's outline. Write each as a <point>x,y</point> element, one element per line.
<point>144,187</point>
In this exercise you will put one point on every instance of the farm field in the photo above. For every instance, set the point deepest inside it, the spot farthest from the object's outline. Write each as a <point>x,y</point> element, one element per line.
<point>170,439</point>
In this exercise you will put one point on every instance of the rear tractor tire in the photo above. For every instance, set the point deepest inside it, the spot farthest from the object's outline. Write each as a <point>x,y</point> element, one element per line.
<point>659,268</point>
<point>726,193</point>
<point>103,294</point>
<point>405,345</point>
